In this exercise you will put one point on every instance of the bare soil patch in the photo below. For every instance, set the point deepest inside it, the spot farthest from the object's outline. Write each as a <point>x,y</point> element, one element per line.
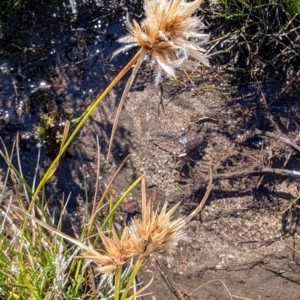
<point>246,233</point>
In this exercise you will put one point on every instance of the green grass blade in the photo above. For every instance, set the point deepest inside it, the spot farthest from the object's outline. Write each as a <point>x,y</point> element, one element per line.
<point>120,201</point>
<point>88,112</point>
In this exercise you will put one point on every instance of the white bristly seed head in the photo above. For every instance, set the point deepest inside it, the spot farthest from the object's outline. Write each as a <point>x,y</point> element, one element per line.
<point>171,35</point>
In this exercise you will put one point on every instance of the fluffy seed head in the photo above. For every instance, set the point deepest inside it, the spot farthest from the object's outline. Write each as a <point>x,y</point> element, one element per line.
<point>156,232</point>
<point>117,252</point>
<point>171,35</point>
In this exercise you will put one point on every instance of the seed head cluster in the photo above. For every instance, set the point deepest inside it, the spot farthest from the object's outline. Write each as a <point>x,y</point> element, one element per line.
<point>154,232</point>
<point>117,252</point>
<point>171,35</point>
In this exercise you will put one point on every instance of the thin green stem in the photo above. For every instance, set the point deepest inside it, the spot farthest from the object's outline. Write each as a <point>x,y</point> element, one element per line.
<point>117,284</point>
<point>120,201</point>
<point>93,217</point>
<point>88,112</point>
<point>135,270</point>
<point>111,206</point>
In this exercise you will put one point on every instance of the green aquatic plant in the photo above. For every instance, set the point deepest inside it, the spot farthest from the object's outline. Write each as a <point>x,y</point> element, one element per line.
<point>41,131</point>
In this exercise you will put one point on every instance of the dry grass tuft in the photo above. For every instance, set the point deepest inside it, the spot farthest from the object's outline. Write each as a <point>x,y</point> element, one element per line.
<point>153,232</point>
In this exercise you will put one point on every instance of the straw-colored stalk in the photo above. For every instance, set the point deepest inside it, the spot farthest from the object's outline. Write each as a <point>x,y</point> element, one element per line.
<point>169,37</point>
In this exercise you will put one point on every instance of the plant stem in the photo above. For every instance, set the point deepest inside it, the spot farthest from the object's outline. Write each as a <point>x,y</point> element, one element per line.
<point>135,270</point>
<point>143,52</point>
<point>94,215</point>
<point>120,201</point>
<point>110,221</point>
<point>88,112</point>
<point>117,284</point>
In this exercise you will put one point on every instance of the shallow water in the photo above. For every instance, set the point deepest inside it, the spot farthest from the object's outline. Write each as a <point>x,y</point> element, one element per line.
<point>55,58</point>
<point>59,59</point>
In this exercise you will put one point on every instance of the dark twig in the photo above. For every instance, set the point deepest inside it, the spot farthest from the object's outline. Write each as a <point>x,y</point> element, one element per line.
<point>254,171</point>
<point>263,97</point>
<point>168,279</point>
<point>291,277</point>
<point>278,137</point>
<point>294,250</point>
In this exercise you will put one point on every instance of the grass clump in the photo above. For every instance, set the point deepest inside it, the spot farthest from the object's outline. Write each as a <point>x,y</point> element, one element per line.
<point>261,35</point>
<point>39,269</point>
<point>39,261</point>
<point>230,10</point>
<point>237,9</point>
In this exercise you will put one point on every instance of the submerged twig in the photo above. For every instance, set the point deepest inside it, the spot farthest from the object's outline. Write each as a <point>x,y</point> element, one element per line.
<point>203,201</point>
<point>255,171</point>
<point>279,137</point>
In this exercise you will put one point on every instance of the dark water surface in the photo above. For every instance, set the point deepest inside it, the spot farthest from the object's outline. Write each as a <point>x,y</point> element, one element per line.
<point>55,58</point>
